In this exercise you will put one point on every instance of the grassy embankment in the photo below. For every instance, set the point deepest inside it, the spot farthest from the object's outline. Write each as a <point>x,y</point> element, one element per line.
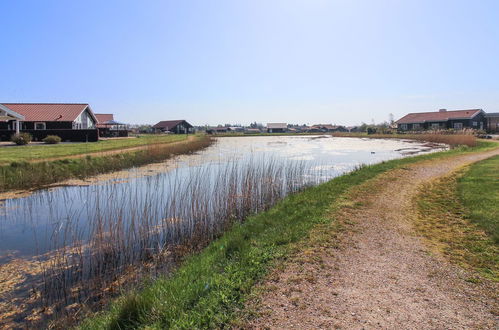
<point>459,215</point>
<point>28,153</point>
<point>210,287</point>
<point>24,174</point>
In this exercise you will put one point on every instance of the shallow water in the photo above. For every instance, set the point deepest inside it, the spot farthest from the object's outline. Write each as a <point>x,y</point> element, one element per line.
<point>49,219</point>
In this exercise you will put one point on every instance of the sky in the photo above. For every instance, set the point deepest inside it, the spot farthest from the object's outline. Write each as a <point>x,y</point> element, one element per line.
<point>239,61</point>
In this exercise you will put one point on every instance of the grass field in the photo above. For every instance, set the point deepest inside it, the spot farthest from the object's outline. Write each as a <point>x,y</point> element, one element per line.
<point>33,175</point>
<point>459,216</point>
<point>479,193</point>
<point>9,154</point>
<point>210,287</point>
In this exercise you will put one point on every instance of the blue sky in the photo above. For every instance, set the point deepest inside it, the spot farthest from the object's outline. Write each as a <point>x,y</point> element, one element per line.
<point>239,61</point>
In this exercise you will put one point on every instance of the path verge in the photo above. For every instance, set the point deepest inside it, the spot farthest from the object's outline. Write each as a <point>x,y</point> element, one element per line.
<point>379,274</point>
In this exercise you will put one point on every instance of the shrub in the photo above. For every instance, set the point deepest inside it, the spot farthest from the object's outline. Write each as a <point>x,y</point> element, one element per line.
<point>21,138</point>
<point>52,139</point>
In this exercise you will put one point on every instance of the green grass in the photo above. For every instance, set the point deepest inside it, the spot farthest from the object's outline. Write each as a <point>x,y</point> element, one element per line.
<point>458,215</point>
<point>209,287</point>
<point>32,175</point>
<point>28,153</point>
<point>479,193</point>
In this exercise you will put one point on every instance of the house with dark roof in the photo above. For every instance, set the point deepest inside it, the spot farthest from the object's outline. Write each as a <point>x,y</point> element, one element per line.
<point>443,119</point>
<point>329,128</point>
<point>108,127</point>
<point>69,121</point>
<point>174,126</point>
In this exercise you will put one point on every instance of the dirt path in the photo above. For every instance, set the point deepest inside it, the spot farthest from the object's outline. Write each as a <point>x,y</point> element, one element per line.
<point>381,275</point>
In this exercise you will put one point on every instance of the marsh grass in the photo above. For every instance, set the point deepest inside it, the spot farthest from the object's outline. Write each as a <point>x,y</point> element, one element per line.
<point>125,231</point>
<point>28,175</point>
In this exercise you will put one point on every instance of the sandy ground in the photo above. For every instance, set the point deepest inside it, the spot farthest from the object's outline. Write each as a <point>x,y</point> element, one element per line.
<point>381,275</point>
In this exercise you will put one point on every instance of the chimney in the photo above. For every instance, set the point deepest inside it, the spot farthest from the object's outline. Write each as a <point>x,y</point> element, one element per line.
<point>442,110</point>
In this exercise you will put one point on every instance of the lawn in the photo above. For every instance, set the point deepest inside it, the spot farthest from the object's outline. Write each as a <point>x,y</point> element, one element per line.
<point>210,287</point>
<point>459,217</point>
<point>479,192</point>
<point>9,154</point>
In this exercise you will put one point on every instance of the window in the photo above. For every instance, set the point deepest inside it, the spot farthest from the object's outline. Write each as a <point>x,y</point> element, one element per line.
<point>435,125</point>
<point>458,125</point>
<point>40,126</point>
<point>475,123</point>
<point>402,126</point>
<point>416,126</point>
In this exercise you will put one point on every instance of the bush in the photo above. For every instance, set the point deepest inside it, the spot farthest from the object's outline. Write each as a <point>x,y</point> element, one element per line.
<point>21,138</point>
<point>52,139</point>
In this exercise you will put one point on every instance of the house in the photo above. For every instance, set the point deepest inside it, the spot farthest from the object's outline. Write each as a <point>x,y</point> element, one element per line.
<point>329,128</point>
<point>174,126</point>
<point>217,130</point>
<point>277,127</point>
<point>108,127</point>
<point>443,119</point>
<point>70,121</point>
<point>492,122</point>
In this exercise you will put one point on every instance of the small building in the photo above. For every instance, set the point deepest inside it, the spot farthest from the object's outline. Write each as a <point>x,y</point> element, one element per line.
<point>329,128</point>
<point>277,127</point>
<point>108,127</point>
<point>174,126</point>
<point>217,130</point>
<point>443,119</point>
<point>492,122</point>
<point>70,121</point>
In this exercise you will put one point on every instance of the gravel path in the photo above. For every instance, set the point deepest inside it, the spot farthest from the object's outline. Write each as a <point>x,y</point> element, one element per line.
<point>381,275</point>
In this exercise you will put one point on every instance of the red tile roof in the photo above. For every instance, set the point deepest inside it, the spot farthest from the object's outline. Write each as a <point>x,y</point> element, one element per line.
<point>104,117</point>
<point>48,111</point>
<point>422,117</point>
<point>168,124</point>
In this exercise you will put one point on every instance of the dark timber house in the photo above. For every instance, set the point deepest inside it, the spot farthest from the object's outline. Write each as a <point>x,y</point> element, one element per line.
<point>108,127</point>
<point>492,122</point>
<point>70,121</point>
<point>174,126</point>
<point>443,119</point>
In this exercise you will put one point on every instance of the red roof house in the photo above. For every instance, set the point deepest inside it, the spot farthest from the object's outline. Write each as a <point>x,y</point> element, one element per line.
<point>70,121</point>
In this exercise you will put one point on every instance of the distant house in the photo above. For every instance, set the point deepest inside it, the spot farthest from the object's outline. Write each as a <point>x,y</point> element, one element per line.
<point>277,127</point>
<point>217,130</point>
<point>443,119</point>
<point>492,122</point>
<point>108,127</point>
<point>329,128</point>
<point>174,126</point>
<point>69,121</point>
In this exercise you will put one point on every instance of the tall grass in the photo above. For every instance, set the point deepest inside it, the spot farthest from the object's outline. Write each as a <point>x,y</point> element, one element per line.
<point>124,230</point>
<point>26,175</point>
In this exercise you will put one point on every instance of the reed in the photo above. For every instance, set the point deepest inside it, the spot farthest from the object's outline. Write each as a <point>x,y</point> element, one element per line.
<point>126,231</point>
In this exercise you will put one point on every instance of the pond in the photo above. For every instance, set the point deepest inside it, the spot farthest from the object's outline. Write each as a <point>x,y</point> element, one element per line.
<point>74,244</point>
<point>49,219</point>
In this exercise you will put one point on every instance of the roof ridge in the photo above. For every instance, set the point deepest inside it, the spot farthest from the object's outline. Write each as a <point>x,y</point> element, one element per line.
<point>61,103</point>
